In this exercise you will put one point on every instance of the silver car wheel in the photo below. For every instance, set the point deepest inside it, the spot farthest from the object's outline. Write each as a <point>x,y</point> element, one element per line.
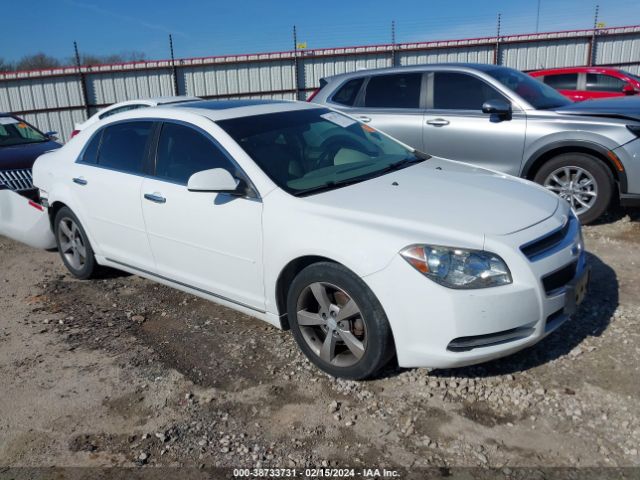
<point>72,245</point>
<point>574,184</point>
<point>331,324</point>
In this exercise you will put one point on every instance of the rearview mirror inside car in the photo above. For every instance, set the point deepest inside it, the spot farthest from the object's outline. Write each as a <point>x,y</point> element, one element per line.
<point>216,180</point>
<point>497,106</point>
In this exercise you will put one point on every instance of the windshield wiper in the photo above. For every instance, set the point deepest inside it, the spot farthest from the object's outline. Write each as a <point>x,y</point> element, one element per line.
<point>329,186</point>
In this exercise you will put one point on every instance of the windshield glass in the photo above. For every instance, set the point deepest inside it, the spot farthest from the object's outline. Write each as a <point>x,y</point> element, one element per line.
<point>308,151</point>
<point>631,75</point>
<point>539,95</point>
<point>17,132</point>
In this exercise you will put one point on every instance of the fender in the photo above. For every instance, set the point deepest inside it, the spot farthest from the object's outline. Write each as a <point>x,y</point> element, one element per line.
<point>581,145</point>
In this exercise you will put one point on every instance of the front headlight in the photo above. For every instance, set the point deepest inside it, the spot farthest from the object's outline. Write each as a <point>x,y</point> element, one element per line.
<point>458,267</point>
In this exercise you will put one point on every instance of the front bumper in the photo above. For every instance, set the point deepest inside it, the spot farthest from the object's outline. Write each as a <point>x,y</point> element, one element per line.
<point>438,327</point>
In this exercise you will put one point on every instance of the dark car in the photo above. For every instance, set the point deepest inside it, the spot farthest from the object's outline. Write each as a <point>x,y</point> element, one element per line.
<point>20,145</point>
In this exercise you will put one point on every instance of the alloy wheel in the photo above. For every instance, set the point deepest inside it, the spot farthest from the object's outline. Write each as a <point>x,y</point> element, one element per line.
<point>574,184</point>
<point>72,245</point>
<point>331,324</point>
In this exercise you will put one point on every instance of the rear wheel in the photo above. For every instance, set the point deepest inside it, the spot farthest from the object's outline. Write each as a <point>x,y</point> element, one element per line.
<point>73,245</point>
<point>580,179</point>
<point>338,322</point>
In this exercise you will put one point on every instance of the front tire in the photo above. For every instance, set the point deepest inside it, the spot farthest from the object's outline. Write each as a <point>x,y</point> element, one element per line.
<point>338,322</point>
<point>580,179</point>
<point>73,245</point>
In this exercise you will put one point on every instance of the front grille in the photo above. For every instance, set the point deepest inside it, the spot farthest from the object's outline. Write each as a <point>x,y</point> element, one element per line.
<point>555,281</point>
<point>17,180</point>
<point>539,247</point>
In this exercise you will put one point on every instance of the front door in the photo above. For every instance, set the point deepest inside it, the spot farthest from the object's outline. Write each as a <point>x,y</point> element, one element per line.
<point>207,241</point>
<point>456,128</point>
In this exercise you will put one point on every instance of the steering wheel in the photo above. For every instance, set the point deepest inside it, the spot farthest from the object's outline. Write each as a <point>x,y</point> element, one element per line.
<point>331,146</point>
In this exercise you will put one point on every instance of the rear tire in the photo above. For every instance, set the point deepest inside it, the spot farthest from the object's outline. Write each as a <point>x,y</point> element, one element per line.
<point>338,322</point>
<point>73,245</point>
<point>582,180</point>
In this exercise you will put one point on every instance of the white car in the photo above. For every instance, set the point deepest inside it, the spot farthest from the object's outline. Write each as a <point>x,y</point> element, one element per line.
<point>307,219</point>
<point>121,107</point>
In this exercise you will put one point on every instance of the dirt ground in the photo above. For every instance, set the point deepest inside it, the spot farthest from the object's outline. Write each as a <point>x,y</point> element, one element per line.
<point>124,372</point>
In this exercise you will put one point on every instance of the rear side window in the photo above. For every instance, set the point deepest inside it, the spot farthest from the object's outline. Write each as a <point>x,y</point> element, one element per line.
<point>124,146</point>
<point>90,154</point>
<point>183,151</point>
<point>347,94</point>
<point>400,90</point>
<point>604,83</point>
<point>562,81</point>
<point>460,91</point>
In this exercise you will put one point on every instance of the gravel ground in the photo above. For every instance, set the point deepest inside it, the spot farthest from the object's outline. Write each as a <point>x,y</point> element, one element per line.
<point>124,372</point>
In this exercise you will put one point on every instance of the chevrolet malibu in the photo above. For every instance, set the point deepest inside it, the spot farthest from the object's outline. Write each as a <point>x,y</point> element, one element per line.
<point>312,221</point>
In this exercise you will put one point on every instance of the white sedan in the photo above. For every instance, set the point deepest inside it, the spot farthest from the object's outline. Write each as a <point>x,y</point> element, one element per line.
<point>307,219</point>
<point>127,105</point>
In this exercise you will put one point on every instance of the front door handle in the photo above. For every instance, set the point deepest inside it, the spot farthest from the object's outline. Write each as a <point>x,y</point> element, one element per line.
<point>364,119</point>
<point>438,122</point>
<point>155,198</point>
<point>80,181</point>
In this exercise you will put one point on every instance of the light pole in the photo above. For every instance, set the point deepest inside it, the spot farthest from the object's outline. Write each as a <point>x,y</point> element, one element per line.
<point>538,17</point>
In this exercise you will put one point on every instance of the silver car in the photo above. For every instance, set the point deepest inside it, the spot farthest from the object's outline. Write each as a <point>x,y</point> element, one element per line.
<point>502,119</point>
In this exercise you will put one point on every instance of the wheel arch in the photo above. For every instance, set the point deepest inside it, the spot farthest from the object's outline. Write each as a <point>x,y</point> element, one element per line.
<point>286,276</point>
<point>546,153</point>
<point>53,210</point>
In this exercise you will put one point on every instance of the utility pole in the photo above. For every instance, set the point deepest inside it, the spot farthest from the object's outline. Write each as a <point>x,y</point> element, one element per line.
<point>83,86</point>
<point>174,70</point>
<point>296,73</point>
<point>592,43</point>
<point>496,51</point>
<point>393,43</point>
<point>538,17</point>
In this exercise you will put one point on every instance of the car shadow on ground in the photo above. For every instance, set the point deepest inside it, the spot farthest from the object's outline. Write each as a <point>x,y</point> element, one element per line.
<point>617,213</point>
<point>592,319</point>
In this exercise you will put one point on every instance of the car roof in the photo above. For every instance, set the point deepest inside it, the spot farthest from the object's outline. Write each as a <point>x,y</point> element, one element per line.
<point>220,109</point>
<point>483,67</point>
<point>577,70</point>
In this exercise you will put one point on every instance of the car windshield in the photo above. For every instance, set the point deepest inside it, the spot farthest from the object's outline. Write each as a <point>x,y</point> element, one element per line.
<point>16,132</point>
<point>539,95</point>
<point>309,151</point>
<point>631,75</point>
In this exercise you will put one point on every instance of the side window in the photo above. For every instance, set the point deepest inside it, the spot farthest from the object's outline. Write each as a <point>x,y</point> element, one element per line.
<point>604,83</point>
<point>124,108</point>
<point>124,146</point>
<point>347,94</point>
<point>90,154</point>
<point>460,91</point>
<point>400,90</point>
<point>183,151</point>
<point>562,81</point>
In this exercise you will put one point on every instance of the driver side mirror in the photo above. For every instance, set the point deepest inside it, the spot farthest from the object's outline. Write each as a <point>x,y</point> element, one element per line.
<point>497,106</point>
<point>52,136</point>
<point>217,180</point>
<point>629,90</point>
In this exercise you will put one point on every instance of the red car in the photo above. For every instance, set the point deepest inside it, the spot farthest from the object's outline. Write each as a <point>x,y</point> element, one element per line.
<point>586,83</point>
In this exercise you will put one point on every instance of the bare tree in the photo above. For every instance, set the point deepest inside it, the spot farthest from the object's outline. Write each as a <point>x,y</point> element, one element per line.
<point>91,59</point>
<point>6,66</point>
<point>37,61</point>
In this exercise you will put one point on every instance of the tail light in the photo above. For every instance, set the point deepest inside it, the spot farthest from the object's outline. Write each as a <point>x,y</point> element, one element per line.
<point>74,133</point>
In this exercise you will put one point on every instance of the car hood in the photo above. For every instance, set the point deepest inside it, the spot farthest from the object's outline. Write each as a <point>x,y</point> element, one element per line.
<point>444,196</point>
<point>22,156</point>
<point>617,107</point>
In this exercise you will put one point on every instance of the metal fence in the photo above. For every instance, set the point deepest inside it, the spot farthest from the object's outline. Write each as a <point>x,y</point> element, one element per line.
<point>55,99</point>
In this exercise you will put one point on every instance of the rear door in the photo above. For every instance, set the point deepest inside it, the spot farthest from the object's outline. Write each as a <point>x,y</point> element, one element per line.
<point>456,128</point>
<point>600,85</point>
<point>567,84</point>
<point>107,180</point>
<point>394,104</point>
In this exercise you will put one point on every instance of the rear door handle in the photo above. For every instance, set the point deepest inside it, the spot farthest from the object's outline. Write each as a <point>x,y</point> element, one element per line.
<point>438,122</point>
<point>155,198</point>
<point>364,119</point>
<point>80,181</point>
